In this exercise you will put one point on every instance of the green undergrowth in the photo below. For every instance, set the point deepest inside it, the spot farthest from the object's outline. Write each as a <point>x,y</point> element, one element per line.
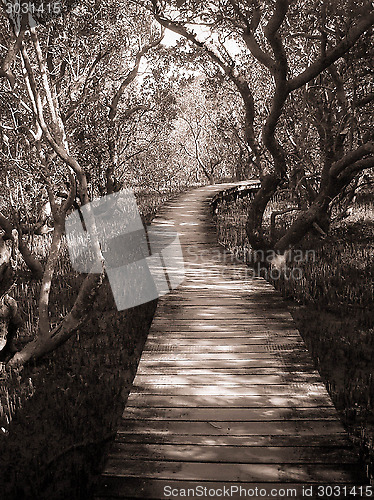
<point>58,414</point>
<point>331,298</point>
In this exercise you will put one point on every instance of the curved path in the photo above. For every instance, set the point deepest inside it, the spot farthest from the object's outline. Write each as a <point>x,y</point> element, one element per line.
<point>225,394</point>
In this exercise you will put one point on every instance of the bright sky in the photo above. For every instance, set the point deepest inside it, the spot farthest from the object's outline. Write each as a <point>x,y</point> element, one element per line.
<point>171,38</point>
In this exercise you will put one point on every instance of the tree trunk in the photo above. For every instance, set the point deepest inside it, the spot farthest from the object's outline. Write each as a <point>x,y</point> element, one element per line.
<point>257,208</point>
<point>6,271</point>
<point>42,345</point>
<point>32,263</point>
<point>317,213</point>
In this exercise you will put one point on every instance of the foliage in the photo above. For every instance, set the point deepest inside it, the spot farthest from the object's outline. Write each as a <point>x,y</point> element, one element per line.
<point>302,70</point>
<point>88,108</point>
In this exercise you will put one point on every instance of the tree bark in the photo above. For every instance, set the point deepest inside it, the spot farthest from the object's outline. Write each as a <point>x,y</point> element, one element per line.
<point>43,345</point>
<point>316,213</point>
<point>32,263</point>
<point>341,173</point>
<point>254,231</point>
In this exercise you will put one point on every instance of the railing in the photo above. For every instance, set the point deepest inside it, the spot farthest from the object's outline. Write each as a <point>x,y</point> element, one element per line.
<point>243,190</point>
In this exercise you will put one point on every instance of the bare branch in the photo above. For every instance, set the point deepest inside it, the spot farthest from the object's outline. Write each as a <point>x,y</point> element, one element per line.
<point>281,88</point>
<point>7,227</point>
<point>85,83</point>
<point>364,100</point>
<point>351,158</point>
<point>13,50</point>
<point>349,172</point>
<point>132,75</point>
<point>354,33</point>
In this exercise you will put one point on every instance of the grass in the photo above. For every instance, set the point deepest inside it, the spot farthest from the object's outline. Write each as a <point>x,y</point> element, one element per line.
<point>58,415</point>
<point>331,300</point>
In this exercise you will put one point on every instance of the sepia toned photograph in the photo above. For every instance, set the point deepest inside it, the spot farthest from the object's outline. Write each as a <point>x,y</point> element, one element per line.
<point>186,249</point>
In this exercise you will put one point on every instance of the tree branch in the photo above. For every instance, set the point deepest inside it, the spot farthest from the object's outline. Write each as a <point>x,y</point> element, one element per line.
<point>230,71</point>
<point>132,75</point>
<point>7,227</point>
<point>13,50</point>
<point>364,100</point>
<point>91,71</point>
<point>281,88</point>
<point>334,54</point>
<point>249,35</point>
<point>349,172</point>
<point>350,158</point>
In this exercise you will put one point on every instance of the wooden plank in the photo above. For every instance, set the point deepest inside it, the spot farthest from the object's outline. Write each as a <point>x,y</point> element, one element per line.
<point>219,341</point>
<point>259,401</point>
<point>253,317</point>
<point>218,301</point>
<point>225,379</point>
<point>255,290</point>
<point>226,354</point>
<point>197,336</point>
<point>195,471</point>
<point>223,314</point>
<point>233,390</point>
<point>294,440</point>
<point>253,332</point>
<point>227,365</point>
<point>285,355</point>
<point>230,414</point>
<point>274,428</point>
<point>232,454</point>
<point>229,327</point>
<point>224,318</point>
<point>249,302</point>
<point>224,337</point>
<point>229,306</point>
<point>209,298</point>
<point>256,348</point>
<point>155,370</point>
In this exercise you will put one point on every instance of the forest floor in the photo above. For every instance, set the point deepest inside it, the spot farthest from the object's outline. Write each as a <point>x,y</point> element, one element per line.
<point>58,414</point>
<point>331,300</point>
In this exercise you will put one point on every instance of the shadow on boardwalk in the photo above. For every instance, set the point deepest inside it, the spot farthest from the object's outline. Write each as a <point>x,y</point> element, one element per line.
<point>226,395</point>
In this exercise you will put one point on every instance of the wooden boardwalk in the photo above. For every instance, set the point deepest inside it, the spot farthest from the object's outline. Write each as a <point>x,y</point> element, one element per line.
<point>225,394</point>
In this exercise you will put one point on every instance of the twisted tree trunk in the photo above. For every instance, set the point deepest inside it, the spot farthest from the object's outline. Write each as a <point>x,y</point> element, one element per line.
<point>9,318</point>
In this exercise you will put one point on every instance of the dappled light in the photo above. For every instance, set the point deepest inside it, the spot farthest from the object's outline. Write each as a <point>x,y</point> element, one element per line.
<point>226,389</point>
